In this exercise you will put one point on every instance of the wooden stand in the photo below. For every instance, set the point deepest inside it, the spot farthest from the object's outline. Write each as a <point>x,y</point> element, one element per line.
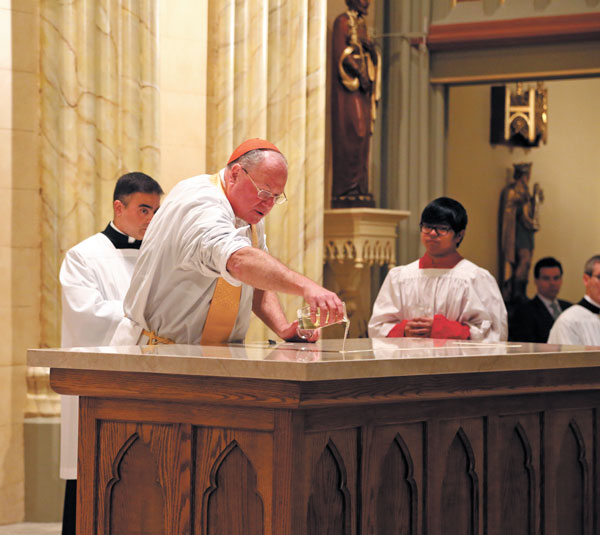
<point>434,451</point>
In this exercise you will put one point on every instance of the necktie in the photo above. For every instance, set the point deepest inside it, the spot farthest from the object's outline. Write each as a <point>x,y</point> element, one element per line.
<point>555,309</point>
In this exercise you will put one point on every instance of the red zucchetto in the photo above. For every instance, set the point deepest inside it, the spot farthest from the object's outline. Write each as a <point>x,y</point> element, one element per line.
<point>251,144</point>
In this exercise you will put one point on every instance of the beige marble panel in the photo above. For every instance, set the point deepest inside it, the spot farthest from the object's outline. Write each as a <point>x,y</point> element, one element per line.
<point>99,119</point>
<point>181,162</point>
<point>25,330</point>
<point>324,360</point>
<point>6,354</point>
<point>18,162</point>
<point>11,477</point>
<point>221,51</point>
<point>24,110</point>
<point>25,266</point>
<point>12,394</point>
<point>26,206</point>
<point>183,19</point>
<point>5,39</point>
<point>26,6</point>
<point>5,275</point>
<point>23,35</point>
<point>6,99</point>
<point>184,115</point>
<point>183,66</point>
<point>5,217</point>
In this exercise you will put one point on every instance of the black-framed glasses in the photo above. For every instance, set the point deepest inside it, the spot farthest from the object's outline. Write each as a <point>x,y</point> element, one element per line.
<point>266,195</point>
<point>440,230</point>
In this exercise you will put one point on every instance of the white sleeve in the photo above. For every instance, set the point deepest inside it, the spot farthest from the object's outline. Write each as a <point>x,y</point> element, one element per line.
<point>88,317</point>
<point>490,322</point>
<point>209,238</point>
<point>562,332</point>
<point>386,310</point>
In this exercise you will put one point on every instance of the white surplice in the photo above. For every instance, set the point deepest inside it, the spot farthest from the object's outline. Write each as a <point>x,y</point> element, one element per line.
<point>94,277</point>
<point>576,326</point>
<point>185,250</point>
<point>465,293</point>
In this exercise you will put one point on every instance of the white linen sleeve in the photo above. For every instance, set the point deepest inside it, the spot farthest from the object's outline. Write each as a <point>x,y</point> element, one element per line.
<point>88,317</point>
<point>563,332</point>
<point>386,310</point>
<point>209,238</point>
<point>490,324</point>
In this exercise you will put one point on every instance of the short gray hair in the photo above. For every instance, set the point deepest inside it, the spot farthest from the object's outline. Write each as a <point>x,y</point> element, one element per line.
<point>589,265</point>
<point>255,157</point>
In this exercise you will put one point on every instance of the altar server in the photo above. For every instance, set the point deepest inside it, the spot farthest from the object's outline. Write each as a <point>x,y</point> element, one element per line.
<point>95,276</point>
<point>580,323</point>
<point>441,295</point>
<point>204,264</point>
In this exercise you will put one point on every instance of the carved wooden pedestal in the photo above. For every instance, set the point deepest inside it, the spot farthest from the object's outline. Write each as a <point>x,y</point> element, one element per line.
<point>356,239</point>
<point>458,453</point>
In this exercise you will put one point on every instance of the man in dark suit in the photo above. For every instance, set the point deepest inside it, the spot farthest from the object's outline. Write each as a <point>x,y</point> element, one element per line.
<point>531,321</point>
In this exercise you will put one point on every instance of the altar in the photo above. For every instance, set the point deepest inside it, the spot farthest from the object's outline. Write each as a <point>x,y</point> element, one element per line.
<point>390,436</point>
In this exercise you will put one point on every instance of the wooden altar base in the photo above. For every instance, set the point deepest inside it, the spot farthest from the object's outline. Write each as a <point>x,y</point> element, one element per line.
<point>462,453</point>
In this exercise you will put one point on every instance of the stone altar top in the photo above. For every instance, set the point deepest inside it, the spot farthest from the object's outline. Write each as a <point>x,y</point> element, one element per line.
<point>363,358</point>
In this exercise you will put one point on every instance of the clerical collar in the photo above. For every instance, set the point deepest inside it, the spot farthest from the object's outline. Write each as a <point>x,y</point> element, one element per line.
<point>586,302</point>
<point>445,262</point>
<point>119,239</point>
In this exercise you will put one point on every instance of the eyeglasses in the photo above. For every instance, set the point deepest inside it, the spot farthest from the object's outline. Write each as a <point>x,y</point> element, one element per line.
<point>266,195</point>
<point>440,230</point>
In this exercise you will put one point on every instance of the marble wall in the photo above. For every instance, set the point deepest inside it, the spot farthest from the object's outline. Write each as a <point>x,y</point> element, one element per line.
<point>99,118</point>
<point>266,78</point>
<point>19,238</point>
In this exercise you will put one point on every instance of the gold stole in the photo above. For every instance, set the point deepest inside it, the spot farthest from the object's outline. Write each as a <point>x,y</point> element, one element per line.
<point>225,303</point>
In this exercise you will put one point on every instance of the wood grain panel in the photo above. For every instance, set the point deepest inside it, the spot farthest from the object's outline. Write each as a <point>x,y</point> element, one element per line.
<point>518,483</point>
<point>233,481</point>
<point>225,391</point>
<point>332,465</point>
<point>455,469</point>
<point>136,460</point>
<point>531,30</point>
<point>393,479</point>
<point>569,472</point>
<point>134,468</point>
<point>329,500</point>
<point>232,504</point>
<point>460,488</point>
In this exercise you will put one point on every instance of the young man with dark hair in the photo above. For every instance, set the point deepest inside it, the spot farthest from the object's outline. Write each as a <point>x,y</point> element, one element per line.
<point>95,276</point>
<point>441,295</point>
<point>531,321</point>
<point>580,325</point>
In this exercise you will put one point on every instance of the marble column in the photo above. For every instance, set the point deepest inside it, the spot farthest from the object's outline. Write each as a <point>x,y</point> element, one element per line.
<point>266,78</point>
<point>98,120</point>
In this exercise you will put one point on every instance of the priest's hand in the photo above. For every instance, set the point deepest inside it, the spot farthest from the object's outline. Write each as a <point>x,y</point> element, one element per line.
<point>290,334</point>
<point>418,327</point>
<point>330,306</point>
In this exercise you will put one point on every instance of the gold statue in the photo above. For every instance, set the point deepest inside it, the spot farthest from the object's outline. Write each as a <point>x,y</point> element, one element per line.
<point>518,221</point>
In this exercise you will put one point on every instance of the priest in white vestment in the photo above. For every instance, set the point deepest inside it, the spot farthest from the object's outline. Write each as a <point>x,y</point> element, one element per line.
<point>204,265</point>
<point>441,295</point>
<point>94,277</point>
<point>580,324</point>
